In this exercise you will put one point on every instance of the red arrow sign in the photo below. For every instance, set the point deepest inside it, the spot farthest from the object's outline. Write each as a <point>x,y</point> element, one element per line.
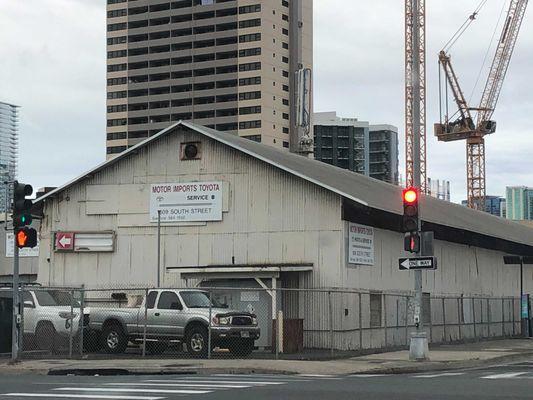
<point>64,241</point>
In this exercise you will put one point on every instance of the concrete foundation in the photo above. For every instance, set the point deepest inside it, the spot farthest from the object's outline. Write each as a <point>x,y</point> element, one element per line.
<point>418,347</point>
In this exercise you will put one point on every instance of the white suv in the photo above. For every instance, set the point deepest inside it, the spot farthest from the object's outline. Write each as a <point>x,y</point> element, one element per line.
<point>48,319</point>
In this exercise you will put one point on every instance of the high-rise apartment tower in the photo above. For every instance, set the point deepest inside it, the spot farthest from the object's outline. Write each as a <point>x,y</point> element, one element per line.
<point>9,132</point>
<point>225,64</point>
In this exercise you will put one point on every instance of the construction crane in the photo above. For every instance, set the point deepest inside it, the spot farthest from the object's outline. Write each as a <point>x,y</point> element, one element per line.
<point>415,94</point>
<point>474,129</point>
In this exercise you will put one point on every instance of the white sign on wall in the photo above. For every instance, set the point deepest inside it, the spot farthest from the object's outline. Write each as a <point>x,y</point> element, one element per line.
<point>186,202</point>
<point>360,244</point>
<point>25,252</point>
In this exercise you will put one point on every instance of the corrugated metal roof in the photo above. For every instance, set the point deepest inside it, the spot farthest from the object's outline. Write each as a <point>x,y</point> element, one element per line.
<point>359,188</point>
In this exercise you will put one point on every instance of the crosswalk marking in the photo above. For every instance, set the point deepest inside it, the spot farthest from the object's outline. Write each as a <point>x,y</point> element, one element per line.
<point>201,385</point>
<point>81,396</point>
<point>165,391</point>
<point>211,381</point>
<point>439,375</point>
<point>504,376</point>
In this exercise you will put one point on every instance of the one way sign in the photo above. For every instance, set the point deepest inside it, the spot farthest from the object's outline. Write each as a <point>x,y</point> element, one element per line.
<point>418,263</point>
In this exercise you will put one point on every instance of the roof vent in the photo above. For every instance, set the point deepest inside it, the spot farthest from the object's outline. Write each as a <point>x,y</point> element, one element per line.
<point>190,151</point>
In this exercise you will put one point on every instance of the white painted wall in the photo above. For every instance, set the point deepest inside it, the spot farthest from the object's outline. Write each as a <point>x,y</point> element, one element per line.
<point>270,217</point>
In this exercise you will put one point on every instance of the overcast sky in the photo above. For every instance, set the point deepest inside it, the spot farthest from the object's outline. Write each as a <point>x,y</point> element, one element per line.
<point>53,66</point>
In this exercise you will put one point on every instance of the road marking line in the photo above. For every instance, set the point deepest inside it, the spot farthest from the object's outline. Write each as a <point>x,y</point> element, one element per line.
<point>214,382</point>
<point>439,375</point>
<point>319,376</point>
<point>81,396</point>
<point>203,386</point>
<point>166,391</point>
<point>367,375</point>
<point>284,378</point>
<point>507,375</point>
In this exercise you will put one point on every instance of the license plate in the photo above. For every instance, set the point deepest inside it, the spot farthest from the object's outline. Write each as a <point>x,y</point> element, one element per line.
<point>245,334</point>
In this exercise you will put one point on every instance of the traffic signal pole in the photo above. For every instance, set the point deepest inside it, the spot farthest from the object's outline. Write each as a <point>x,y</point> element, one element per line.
<point>418,347</point>
<point>16,306</point>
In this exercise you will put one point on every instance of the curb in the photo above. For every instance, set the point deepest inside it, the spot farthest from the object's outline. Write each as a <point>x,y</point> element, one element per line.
<point>200,370</point>
<point>448,365</point>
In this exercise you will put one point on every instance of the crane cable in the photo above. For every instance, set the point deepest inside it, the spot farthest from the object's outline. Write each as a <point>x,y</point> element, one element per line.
<point>462,29</point>
<point>488,51</point>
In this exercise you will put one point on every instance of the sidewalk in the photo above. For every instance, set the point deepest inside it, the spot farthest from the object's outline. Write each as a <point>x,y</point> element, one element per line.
<point>443,357</point>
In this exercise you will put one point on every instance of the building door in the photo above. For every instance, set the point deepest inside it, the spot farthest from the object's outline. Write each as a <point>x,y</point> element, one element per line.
<point>247,296</point>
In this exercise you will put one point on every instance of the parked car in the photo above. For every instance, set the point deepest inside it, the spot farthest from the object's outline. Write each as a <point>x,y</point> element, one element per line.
<point>176,315</point>
<point>47,319</point>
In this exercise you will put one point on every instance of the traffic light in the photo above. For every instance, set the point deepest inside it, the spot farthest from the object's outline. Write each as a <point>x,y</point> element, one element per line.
<point>412,242</point>
<point>21,205</point>
<point>410,210</point>
<point>25,237</point>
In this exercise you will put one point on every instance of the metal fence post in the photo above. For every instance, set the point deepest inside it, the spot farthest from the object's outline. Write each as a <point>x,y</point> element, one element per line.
<point>277,323</point>
<point>489,314</point>
<point>209,326</point>
<point>503,317</point>
<point>444,319</point>
<point>360,322</point>
<point>145,321</point>
<point>385,317</point>
<point>71,324</point>
<point>407,338</point>
<point>330,322</point>
<point>512,312</point>
<point>459,319</point>
<point>474,316</point>
<point>82,318</point>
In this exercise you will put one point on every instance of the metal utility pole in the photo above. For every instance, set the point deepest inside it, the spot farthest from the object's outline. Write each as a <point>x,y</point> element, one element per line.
<point>416,142</point>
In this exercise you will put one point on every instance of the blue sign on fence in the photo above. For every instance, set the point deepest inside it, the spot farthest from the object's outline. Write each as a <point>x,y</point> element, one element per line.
<point>525,306</point>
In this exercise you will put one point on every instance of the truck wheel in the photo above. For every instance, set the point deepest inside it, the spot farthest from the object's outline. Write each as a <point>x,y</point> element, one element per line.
<point>45,336</point>
<point>114,340</point>
<point>242,348</point>
<point>156,348</point>
<point>197,341</point>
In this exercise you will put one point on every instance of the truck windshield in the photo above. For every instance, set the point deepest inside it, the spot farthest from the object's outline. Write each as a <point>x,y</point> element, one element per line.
<point>198,300</point>
<point>53,298</point>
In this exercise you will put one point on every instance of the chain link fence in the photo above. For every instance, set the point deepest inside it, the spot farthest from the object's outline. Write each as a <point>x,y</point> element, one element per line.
<point>220,322</point>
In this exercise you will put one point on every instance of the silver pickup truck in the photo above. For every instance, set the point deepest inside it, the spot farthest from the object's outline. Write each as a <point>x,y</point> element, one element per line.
<point>176,315</point>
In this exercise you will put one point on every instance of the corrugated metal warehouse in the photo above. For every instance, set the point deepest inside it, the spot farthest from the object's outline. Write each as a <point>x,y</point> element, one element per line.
<point>240,210</point>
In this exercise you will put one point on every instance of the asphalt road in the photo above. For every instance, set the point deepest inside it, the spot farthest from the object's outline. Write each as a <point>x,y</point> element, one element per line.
<point>513,381</point>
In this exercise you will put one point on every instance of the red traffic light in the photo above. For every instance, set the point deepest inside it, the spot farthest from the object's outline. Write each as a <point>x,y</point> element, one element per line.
<point>410,195</point>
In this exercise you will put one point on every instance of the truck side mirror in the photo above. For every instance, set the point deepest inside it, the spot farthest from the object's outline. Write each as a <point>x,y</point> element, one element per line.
<point>29,304</point>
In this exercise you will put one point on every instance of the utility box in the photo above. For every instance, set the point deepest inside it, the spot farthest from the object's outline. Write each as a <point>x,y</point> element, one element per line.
<point>6,319</point>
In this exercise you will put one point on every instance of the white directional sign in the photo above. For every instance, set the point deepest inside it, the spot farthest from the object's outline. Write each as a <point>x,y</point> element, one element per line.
<point>186,202</point>
<point>418,263</point>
